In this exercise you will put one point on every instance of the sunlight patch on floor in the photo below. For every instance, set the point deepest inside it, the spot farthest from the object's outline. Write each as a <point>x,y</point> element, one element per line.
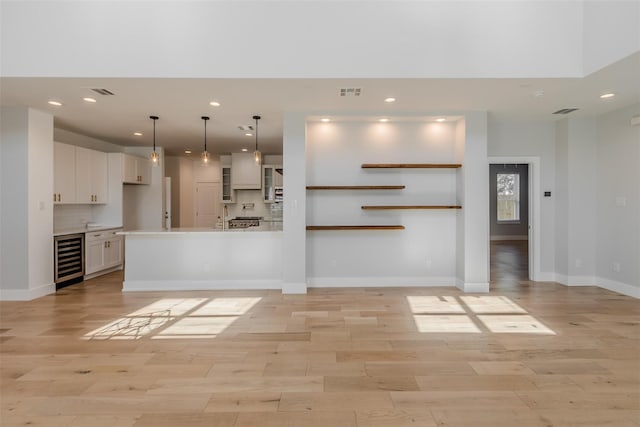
<point>473,314</point>
<point>434,304</point>
<point>446,324</point>
<point>171,318</point>
<point>514,324</point>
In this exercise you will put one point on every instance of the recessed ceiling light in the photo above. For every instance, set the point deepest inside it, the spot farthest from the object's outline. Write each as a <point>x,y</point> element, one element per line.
<point>248,134</point>
<point>607,95</point>
<point>538,93</point>
<point>441,119</point>
<point>214,103</point>
<point>56,103</point>
<point>326,120</point>
<point>383,120</point>
<point>244,149</point>
<point>187,151</point>
<point>89,99</point>
<point>390,100</point>
<point>137,134</point>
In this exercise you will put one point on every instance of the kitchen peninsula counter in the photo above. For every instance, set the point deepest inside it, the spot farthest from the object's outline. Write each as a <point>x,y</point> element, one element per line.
<point>182,259</point>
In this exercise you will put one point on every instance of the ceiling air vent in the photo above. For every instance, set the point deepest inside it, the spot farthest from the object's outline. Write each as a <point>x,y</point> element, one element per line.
<point>565,111</point>
<point>246,127</point>
<point>350,91</point>
<point>101,91</point>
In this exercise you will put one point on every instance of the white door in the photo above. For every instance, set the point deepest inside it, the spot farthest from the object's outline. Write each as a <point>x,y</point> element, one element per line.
<point>207,204</point>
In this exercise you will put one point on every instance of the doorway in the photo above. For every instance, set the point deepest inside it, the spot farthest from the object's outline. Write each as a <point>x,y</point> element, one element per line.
<point>514,219</point>
<point>207,205</point>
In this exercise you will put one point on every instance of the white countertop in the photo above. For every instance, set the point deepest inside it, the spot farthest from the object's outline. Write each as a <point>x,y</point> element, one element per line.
<point>82,229</point>
<point>175,231</point>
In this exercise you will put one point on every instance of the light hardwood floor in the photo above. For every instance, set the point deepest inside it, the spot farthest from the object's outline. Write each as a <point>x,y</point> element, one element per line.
<point>525,354</point>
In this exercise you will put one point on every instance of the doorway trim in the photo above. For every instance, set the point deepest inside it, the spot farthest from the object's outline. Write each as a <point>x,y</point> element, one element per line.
<point>534,208</point>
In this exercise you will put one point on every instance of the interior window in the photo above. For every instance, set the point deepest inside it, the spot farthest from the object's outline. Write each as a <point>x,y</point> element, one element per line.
<point>508,197</point>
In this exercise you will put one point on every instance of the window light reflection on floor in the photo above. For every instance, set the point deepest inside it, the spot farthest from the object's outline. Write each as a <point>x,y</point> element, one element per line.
<point>473,314</point>
<point>434,304</point>
<point>172,318</point>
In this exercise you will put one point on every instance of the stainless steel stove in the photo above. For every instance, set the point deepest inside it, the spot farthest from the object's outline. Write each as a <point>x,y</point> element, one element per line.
<point>245,222</point>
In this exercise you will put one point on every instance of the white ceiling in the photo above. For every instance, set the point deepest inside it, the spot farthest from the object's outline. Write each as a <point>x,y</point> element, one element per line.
<point>180,103</point>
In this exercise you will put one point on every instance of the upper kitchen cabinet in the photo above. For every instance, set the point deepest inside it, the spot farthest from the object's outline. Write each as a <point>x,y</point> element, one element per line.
<point>91,176</point>
<point>80,175</point>
<point>64,175</point>
<point>272,179</point>
<point>135,170</point>
<point>246,174</point>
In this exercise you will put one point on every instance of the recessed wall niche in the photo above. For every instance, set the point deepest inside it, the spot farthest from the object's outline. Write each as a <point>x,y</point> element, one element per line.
<point>424,252</point>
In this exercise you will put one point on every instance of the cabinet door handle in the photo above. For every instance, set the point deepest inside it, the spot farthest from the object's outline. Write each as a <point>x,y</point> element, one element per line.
<point>105,243</point>
<point>59,198</point>
<point>54,197</point>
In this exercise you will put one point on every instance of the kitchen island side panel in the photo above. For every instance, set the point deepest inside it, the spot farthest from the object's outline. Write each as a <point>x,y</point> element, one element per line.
<point>202,260</point>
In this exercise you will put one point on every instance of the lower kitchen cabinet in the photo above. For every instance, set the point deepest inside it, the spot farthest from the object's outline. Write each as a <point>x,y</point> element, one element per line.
<point>103,250</point>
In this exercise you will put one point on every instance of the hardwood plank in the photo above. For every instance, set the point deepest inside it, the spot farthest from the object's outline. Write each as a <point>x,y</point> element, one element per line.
<point>244,402</point>
<point>366,400</point>
<point>395,418</point>
<point>358,384</point>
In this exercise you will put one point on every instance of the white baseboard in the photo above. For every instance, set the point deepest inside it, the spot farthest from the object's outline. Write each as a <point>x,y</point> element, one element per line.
<point>480,287</point>
<point>581,281</point>
<point>610,285</point>
<point>27,294</point>
<point>619,287</point>
<point>294,288</point>
<point>546,277</point>
<point>377,282</point>
<point>198,285</point>
<point>100,273</point>
<point>525,237</point>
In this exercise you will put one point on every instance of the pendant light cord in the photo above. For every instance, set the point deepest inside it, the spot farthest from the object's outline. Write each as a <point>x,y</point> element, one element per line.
<point>256,118</point>
<point>154,118</point>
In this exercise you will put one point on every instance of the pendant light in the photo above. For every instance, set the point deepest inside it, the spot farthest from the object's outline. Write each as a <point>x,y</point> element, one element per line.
<point>155,157</point>
<point>205,157</point>
<point>257,156</point>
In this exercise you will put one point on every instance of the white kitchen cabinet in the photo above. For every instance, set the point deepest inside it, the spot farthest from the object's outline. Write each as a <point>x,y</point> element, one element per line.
<point>246,173</point>
<point>135,170</point>
<point>227,193</point>
<point>91,176</point>
<point>80,175</point>
<point>103,250</point>
<point>64,175</point>
<point>271,178</point>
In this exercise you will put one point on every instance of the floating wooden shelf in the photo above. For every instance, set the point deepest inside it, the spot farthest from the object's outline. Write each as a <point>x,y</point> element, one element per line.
<point>411,165</point>
<point>355,187</point>
<point>354,227</point>
<point>389,207</point>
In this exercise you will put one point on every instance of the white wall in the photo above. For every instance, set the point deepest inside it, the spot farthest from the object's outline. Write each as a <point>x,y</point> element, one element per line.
<point>618,201</point>
<point>582,201</point>
<point>143,204</point>
<point>27,217</point>
<point>545,39</point>
<point>40,205</point>
<point>533,139</point>
<point>423,253</point>
<point>611,31</point>
<point>15,200</point>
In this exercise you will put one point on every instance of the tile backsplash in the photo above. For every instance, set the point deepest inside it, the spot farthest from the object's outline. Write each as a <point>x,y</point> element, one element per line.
<point>71,216</point>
